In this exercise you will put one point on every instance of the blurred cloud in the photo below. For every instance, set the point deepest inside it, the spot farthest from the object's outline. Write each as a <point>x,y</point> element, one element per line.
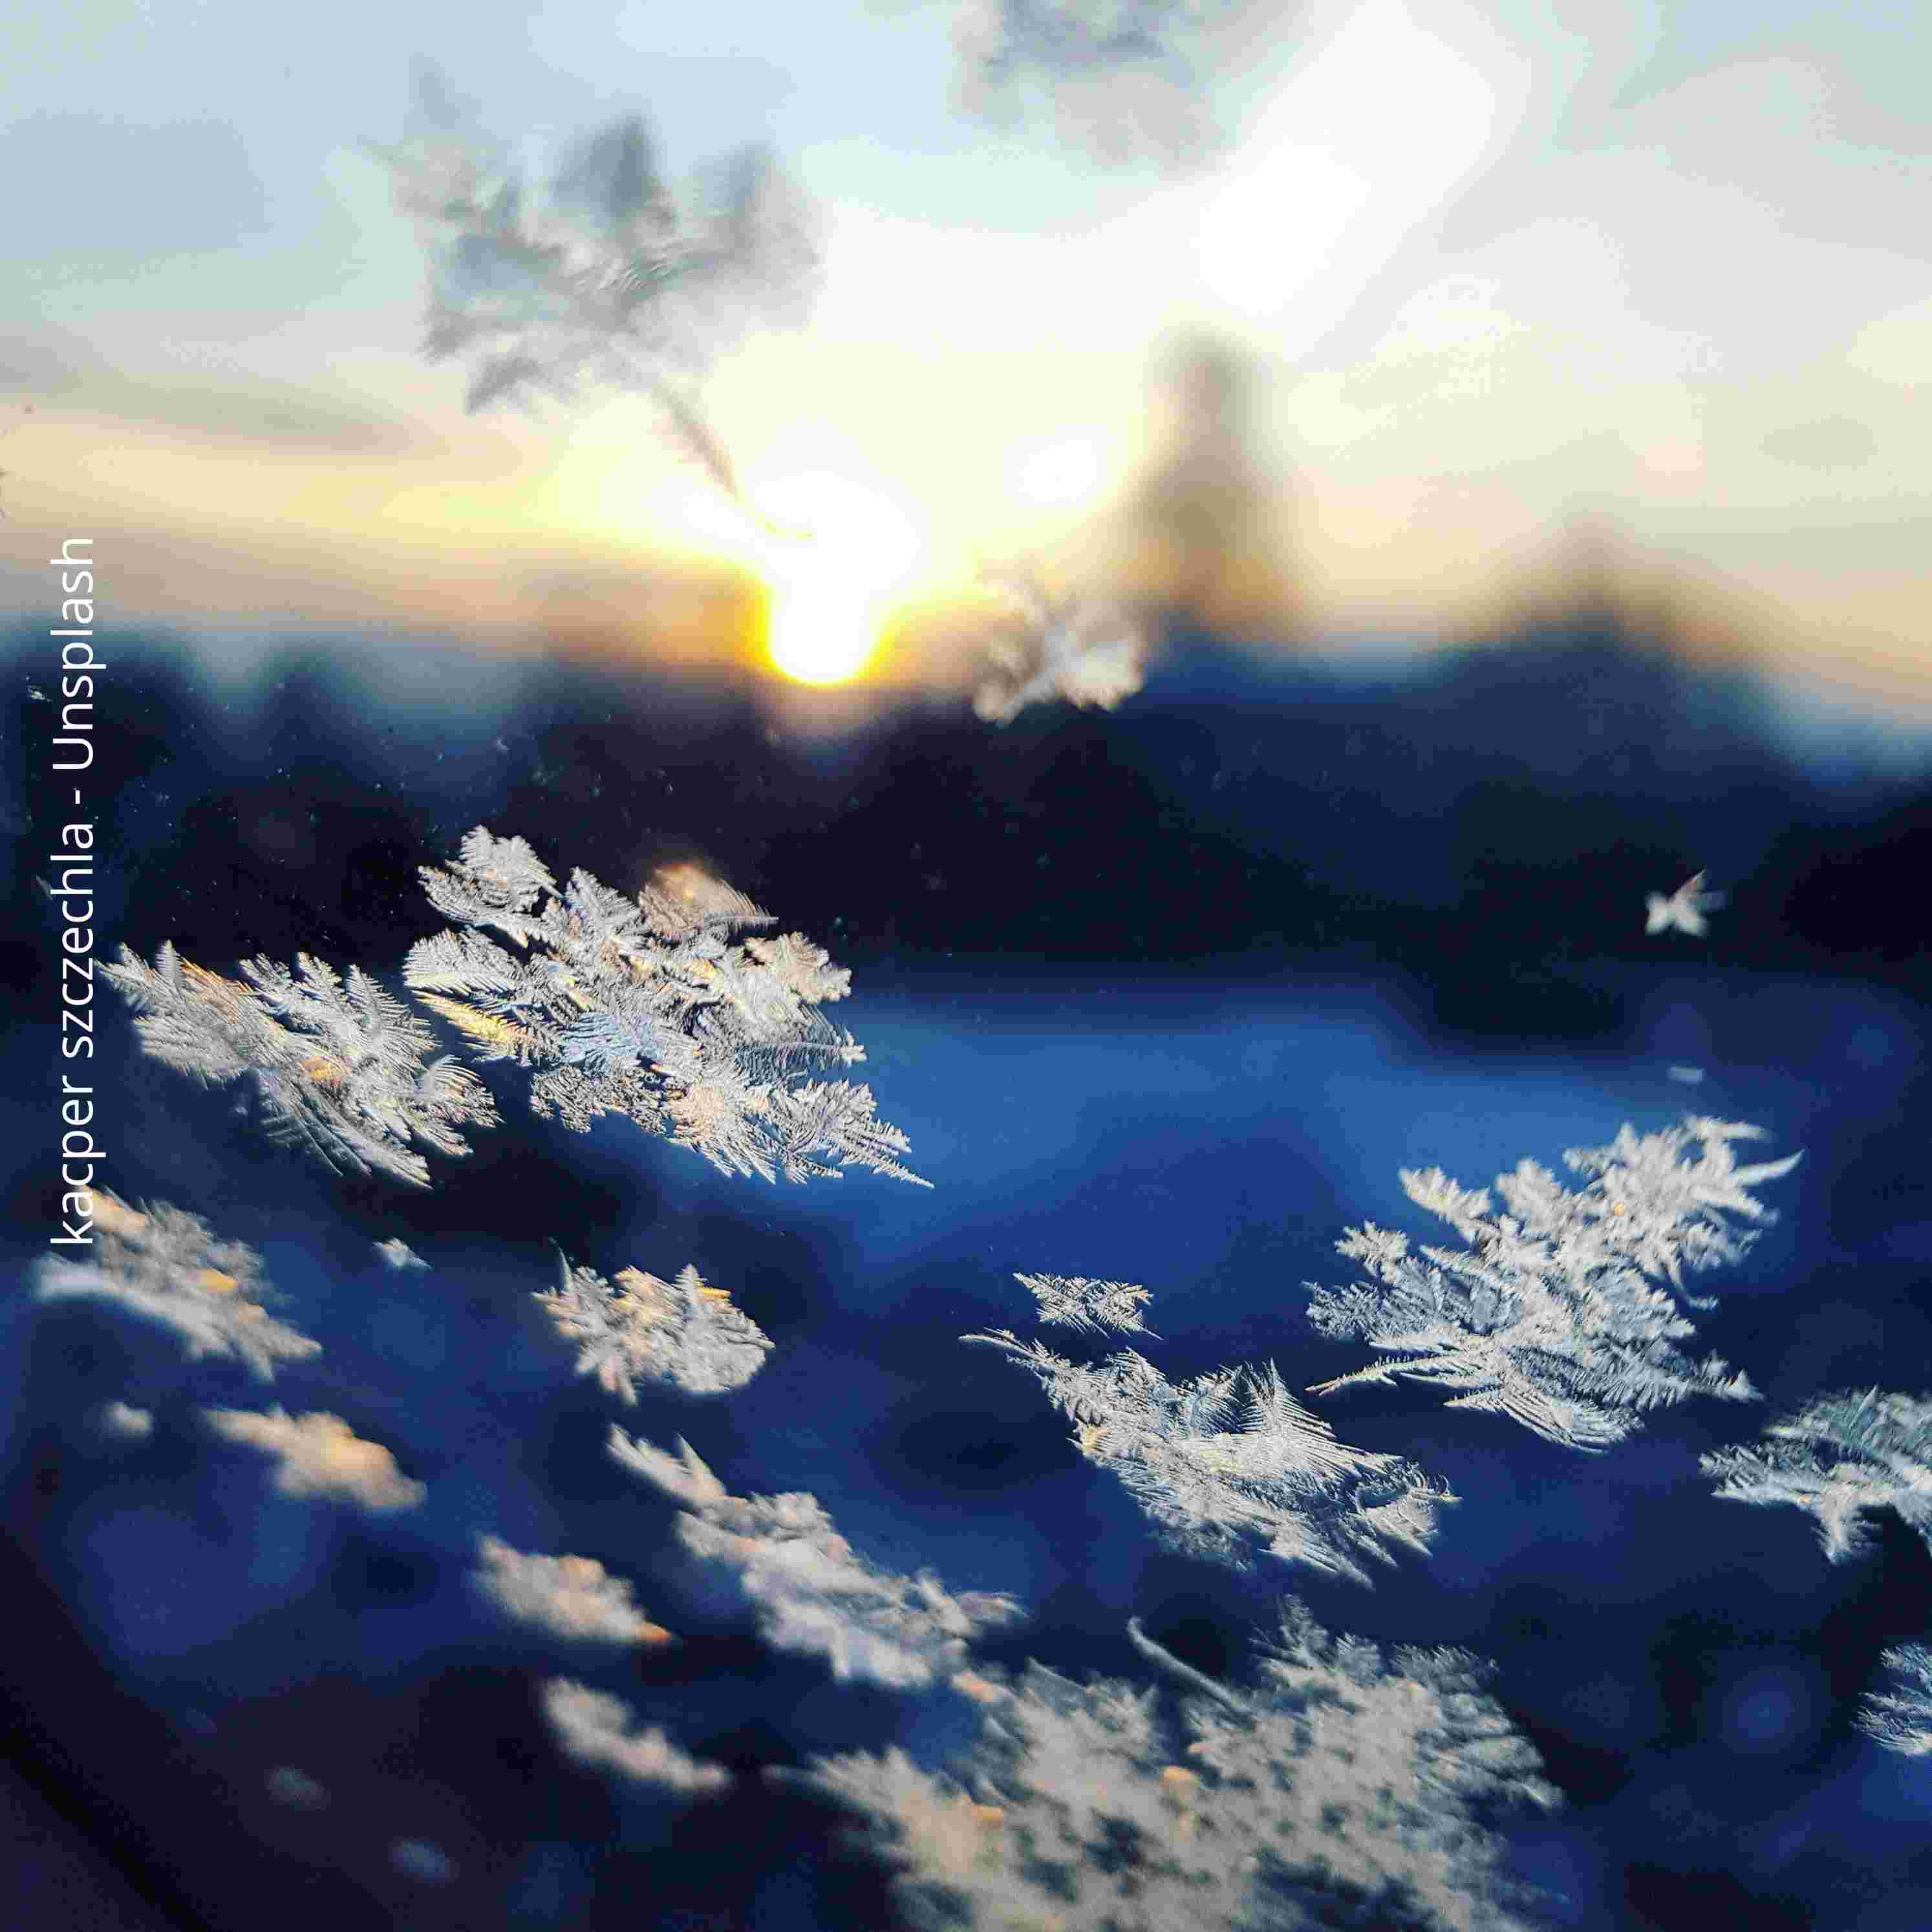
<point>67,377</point>
<point>1485,267</point>
<point>1375,130</point>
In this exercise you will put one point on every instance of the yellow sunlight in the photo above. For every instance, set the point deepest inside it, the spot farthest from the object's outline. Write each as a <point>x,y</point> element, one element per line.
<point>832,587</point>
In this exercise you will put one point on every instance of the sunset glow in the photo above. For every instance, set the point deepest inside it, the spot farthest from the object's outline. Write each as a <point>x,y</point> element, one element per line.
<point>831,591</point>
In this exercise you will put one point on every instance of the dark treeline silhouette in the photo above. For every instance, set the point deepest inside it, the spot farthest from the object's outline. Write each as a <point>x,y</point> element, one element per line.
<point>1495,814</point>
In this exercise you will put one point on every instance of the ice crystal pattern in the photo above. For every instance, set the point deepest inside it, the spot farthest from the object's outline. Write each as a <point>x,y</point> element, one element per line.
<point>1231,1458</point>
<point>166,1266</point>
<point>1338,1789</point>
<point>319,1455</point>
<point>1564,1311</point>
<point>639,1327</point>
<point>1684,911</point>
<point>124,1422</point>
<point>342,1066</point>
<point>813,1591</point>
<point>650,1007</point>
<point>601,275</point>
<point>1902,1719</point>
<point>596,1729</point>
<point>1073,1301</point>
<point>573,1596</point>
<point>1073,645</point>
<point>1121,80</point>
<point>1840,1458</point>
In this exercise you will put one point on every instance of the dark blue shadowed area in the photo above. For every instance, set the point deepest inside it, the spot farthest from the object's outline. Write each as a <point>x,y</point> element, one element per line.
<point>1169,995</point>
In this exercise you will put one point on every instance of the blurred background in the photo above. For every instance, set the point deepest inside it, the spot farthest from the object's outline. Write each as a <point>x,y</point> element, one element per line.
<point>1467,276</point>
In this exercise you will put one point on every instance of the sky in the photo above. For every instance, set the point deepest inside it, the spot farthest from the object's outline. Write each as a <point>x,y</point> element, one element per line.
<point>1491,267</point>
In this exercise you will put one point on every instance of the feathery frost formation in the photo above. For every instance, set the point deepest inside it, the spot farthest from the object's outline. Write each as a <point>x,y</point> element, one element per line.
<point>1232,1458</point>
<point>1227,1458</point>
<point>1073,1301</point>
<point>682,1332</point>
<point>648,1007</point>
<point>596,1729</point>
<point>1122,79</point>
<point>339,1064</point>
<point>1556,1313</point>
<point>573,1596</point>
<point>1902,1719</point>
<point>1081,648</point>
<point>166,1265</point>
<point>602,274</point>
<point>1839,1457</point>
<point>319,1455</point>
<point>1339,1789</point>
<point>814,1592</point>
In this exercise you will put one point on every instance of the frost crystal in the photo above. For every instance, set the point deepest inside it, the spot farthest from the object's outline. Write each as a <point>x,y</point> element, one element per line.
<point>596,1729</point>
<point>1122,79</point>
<point>679,1332</point>
<point>1842,1455</point>
<point>1684,910</point>
<point>339,1065</point>
<point>813,1591</point>
<point>647,1007</point>
<point>288,1785</point>
<point>124,1422</point>
<point>417,1859</point>
<point>1274,1473</point>
<point>166,1266</point>
<point>573,1596</point>
<point>1902,1719</point>
<point>1556,1315</point>
<point>1339,1789</point>
<point>319,1455</point>
<point>601,275</point>
<point>1075,1302</point>
<point>1078,648</point>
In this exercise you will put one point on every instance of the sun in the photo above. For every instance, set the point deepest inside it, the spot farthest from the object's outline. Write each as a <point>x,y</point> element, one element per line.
<point>832,590</point>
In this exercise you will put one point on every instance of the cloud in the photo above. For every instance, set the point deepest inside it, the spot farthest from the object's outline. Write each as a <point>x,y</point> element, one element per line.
<point>1373,133</point>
